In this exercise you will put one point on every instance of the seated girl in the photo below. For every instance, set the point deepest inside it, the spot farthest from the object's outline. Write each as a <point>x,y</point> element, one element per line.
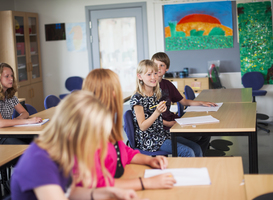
<point>105,85</point>
<point>80,126</point>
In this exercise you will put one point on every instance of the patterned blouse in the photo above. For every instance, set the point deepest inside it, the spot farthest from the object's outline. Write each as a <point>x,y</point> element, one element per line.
<point>7,107</point>
<point>155,135</point>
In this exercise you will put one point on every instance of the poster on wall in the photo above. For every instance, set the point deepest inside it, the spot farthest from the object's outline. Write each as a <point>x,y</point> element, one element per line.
<point>255,38</point>
<point>192,26</point>
<point>76,36</point>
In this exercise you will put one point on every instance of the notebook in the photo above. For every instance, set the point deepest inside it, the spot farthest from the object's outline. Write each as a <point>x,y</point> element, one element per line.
<point>38,124</point>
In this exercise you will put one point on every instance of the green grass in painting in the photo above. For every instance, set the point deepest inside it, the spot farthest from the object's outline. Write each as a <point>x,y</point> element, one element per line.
<point>198,42</point>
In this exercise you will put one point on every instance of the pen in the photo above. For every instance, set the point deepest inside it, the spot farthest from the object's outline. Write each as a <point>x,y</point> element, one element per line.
<point>155,105</point>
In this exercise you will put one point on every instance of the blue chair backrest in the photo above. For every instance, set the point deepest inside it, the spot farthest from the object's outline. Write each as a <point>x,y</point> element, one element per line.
<point>180,109</point>
<point>129,127</point>
<point>31,110</point>
<point>189,93</point>
<point>254,80</point>
<point>130,132</point>
<point>74,83</point>
<point>51,101</point>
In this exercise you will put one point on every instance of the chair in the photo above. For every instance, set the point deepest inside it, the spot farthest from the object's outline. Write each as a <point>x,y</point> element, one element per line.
<point>130,132</point>
<point>72,83</point>
<point>51,101</point>
<point>219,145</point>
<point>189,93</point>
<point>31,110</point>
<point>255,80</point>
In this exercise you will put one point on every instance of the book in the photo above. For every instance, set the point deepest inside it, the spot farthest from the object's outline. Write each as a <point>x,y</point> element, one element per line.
<point>38,124</point>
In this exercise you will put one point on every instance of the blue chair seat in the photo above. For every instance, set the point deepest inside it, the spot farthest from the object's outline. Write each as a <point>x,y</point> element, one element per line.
<point>259,92</point>
<point>51,101</point>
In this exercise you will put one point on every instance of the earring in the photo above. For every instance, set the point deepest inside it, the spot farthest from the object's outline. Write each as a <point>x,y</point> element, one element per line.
<point>141,82</point>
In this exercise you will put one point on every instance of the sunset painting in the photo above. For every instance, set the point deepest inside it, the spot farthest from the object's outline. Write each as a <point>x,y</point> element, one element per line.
<point>192,26</point>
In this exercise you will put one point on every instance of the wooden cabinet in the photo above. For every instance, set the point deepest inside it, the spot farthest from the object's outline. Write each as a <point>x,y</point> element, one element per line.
<point>197,84</point>
<point>20,48</point>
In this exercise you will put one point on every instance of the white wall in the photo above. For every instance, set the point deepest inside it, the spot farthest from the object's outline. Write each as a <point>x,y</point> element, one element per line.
<point>58,63</point>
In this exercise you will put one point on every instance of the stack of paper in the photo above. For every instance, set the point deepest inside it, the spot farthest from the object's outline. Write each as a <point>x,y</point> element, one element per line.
<point>196,120</point>
<point>203,108</point>
<point>184,176</point>
<point>38,124</point>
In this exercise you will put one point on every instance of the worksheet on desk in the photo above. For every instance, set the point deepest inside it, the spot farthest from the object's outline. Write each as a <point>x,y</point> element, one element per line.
<point>37,124</point>
<point>183,176</point>
<point>203,108</point>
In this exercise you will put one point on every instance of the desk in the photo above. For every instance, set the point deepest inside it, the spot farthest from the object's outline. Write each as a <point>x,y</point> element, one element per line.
<point>226,95</point>
<point>236,119</point>
<point>28,131</point>
<point>8,156</point>
<point>126,96</point>
<point>258,184</point>
<point>226,174</point>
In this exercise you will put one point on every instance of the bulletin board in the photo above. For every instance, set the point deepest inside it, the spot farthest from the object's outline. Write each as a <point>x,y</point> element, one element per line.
<point>255,36</point>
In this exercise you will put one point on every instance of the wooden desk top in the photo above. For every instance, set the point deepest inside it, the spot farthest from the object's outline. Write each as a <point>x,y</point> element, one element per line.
<point>234,117</point>
<point>258,184</point>
<point>226,174</point>
<point>226,95</point>
<point>21,99</point>
<point>30,130</point>
<point>10,152</point>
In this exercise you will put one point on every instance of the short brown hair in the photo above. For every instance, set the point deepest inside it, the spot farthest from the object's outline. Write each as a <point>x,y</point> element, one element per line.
<point>162,57</point>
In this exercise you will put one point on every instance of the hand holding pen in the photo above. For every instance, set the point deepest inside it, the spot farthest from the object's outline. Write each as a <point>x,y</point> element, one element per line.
<point>161,107</point>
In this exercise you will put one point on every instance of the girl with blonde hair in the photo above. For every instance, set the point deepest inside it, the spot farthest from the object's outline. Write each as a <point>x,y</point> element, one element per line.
<point>147,111</point>
<point>9,102</point>
<point>105,85</point>
<point>80,126</point>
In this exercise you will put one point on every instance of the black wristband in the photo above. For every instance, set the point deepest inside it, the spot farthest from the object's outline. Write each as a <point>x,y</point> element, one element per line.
<point>92,191</point>
<point>141,183</point>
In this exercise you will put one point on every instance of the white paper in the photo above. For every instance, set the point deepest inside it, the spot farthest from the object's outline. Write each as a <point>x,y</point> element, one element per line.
<point>184,176</point>
<point>203,108</point>
<point>174,108</point>
<point>38,124</point>
<point>175,83</point>
<point>196,120</point>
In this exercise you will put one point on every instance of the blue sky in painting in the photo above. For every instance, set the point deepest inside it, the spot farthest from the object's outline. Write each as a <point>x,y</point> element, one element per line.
<point>221,10</point>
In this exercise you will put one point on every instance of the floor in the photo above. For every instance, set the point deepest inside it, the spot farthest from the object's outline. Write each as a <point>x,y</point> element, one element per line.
<point>265,150</point>
<point>240,148</point>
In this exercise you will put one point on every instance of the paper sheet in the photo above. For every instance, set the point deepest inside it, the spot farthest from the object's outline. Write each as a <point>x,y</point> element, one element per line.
<point>203,108</point>
<point>38,124</point>
<point>184,176</point>
<point>196,120</point>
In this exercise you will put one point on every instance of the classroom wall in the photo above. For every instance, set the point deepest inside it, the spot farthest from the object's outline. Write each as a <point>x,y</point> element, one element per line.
<point>58,63</point>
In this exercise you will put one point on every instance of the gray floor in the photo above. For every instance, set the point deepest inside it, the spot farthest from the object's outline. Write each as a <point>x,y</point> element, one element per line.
<point>265,150</point>
<point>240,148</point>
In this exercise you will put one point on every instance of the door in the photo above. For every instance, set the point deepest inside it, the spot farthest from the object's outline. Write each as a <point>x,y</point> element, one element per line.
<point>117,39</point>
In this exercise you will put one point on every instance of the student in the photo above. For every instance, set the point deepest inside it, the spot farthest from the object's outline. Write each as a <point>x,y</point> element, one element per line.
<point>9,102</point>
<point>80,126</point>
<point>105,84</point>
<point>150,134</point>
<point>171,94</point>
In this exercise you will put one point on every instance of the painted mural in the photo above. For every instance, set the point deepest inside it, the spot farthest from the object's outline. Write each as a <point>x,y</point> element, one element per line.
<point>255,38</point>
<point>193,26</point>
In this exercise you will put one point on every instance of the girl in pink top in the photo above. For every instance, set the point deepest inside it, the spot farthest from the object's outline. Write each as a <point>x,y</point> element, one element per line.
<point>105,85</point>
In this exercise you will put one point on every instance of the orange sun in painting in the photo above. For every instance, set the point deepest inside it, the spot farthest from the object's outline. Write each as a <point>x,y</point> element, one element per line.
<point>199,22</point>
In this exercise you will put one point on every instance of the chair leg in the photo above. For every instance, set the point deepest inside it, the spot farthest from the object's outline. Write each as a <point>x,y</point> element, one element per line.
<point>264,129</point>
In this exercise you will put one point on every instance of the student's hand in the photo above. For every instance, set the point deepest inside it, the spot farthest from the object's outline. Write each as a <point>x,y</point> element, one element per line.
<point>161,107</point>
<point>124,194</point>
<point>162,181</point>
<point>208,104</point>
<point>158,162</point>
<point>34,120</point>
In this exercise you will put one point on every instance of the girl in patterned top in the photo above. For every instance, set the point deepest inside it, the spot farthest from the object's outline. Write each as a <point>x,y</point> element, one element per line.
<point>105,85</point>
<point>9,102</point>
<point>147,110</point>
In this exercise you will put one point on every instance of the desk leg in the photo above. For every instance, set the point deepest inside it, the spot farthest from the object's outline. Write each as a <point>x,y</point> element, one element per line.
<point>253,153</point>
<point>174,145</point>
